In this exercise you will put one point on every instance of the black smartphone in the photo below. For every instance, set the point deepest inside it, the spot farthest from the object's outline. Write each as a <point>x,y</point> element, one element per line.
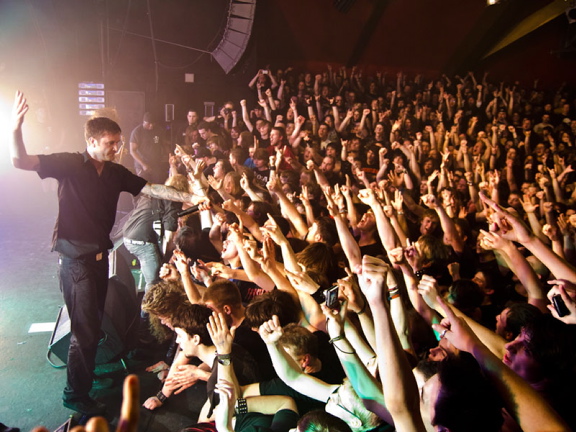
<point>560,306</point>
<point>331,296</point>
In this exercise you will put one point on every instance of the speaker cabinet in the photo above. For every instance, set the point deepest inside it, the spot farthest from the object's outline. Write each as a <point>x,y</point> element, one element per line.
<point>119,325</point>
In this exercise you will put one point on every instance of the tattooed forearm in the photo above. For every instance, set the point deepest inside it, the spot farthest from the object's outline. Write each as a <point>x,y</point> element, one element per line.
<point>167,193</point>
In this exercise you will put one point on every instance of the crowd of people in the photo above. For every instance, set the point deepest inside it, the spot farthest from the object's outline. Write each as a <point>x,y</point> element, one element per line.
<point>369,253</point>
<point>421,232</point>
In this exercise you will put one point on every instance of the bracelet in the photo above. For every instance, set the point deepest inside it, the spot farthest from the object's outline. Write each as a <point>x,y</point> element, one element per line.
<point>272,168</point>
<point>470,183</point>
<point>161,397</point>
<point>241,406</point>
<point>394,296</point>
<point>400,212</point>
<point>336,339</point>
<point>419,274</point>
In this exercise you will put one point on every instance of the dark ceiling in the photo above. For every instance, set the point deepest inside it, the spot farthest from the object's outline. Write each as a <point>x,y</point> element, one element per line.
<point>48,46</point>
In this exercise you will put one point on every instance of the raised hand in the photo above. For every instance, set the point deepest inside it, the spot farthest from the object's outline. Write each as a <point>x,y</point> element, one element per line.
<point>169,272</point>
<point>396,256</point>
<point>567,292</point>
<point>244,182</point>
<point>350,289</point>
<point>221,335</point>
<point>492,241</point>
<point>335,319</point>
<point>19,110</point>
<point>551,231</point>
<point>456,330</point>
<point>412,256</point>
<point>428,289</point>
<point>229,205</point>
<point>197,172</point>
<point>302,281</point>
<point>506,224</point>
<point>430,201</point>
<point>373,279</point>
<point>214,183</point>
<point>273,185</point>
<point>129,414</point>
<point>271,331</point>
<point>180,261</point>
<point>272,229</point>
<point>368,197</point>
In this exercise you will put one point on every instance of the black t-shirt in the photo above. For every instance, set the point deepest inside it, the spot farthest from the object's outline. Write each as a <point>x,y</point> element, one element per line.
<point>332,371</point>
<point>152,152</point>
<point>253,343</point>
<point>373,249</point>
<point>261,177</point>
<point>87,201</point>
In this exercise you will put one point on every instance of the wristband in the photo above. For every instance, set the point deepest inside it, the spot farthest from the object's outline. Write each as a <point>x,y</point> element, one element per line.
<point>161,397</point>
<point>224,359</point>
<point>419,274</point>
<point>319,296</point>
<point>241,406</point>
<point>336,339</point>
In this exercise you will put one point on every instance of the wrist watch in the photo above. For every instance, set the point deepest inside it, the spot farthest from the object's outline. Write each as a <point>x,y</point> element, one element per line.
<point>224,359</point>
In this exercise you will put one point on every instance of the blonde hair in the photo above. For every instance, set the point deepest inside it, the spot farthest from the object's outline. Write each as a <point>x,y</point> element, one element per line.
<point>178,182</point>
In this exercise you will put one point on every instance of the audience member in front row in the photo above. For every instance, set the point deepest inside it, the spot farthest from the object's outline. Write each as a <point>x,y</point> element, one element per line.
<point>195,341</point>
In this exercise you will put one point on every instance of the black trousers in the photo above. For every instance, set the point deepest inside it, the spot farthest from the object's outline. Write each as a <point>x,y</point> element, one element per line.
<point>83,282</point>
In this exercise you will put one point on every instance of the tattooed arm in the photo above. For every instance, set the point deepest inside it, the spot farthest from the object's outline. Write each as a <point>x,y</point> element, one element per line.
<point>171,194</point>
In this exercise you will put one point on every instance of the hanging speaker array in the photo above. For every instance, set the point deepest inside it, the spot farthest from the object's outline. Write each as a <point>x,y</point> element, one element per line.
<point>236,35</point>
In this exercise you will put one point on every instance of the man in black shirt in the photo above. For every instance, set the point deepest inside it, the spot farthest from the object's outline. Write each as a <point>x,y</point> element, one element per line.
<point>89,185</point>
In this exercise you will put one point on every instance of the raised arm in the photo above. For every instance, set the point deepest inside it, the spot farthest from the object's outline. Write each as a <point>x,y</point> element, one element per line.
<point>349,244</point>
<point>362,381</point>
<point>287,368</point>
<point>512,228</point>
<point>525,405</point>
<point>287,207</point>
<point>20,158</point>
<point>519,265</point>
<point>451,235</point>
<point>245,116</point>
<point>398,383</point>
<point>385,229</point>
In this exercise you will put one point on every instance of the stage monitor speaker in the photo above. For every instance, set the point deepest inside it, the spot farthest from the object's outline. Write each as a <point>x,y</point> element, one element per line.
<point>119,326</point>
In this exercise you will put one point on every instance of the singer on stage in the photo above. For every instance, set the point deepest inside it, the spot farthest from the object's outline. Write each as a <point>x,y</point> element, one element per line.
<point>89,185</point>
